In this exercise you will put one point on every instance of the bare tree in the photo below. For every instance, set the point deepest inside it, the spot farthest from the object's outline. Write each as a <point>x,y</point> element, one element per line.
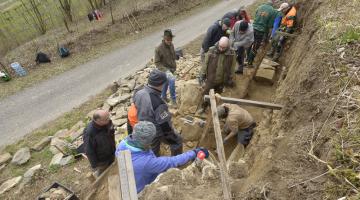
<point>66,9</point>
<point>34,12</point>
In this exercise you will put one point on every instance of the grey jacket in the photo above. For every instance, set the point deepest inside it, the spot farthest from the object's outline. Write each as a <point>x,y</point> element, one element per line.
<point>238,39</point>
<point>150,107</point>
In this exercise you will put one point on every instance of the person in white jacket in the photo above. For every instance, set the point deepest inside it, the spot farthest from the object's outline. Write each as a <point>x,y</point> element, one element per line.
<point>241,39</point>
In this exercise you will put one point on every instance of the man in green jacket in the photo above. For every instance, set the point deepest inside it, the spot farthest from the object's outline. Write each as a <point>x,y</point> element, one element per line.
<point>219,68</point>
<point>264,20</point>
<point>165,61</point>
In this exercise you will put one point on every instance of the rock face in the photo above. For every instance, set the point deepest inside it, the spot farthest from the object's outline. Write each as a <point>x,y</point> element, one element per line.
<point>7,185</point>
<point>21,156</point>
<point>238,170</point>
<point>4,158</point>
<point>113,100</point>
<point>119,122</point>
<point>191,96</point>
<point>42,144</point>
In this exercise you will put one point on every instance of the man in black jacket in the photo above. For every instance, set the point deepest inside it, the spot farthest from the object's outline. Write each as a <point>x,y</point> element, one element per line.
<point>213,35</point>
<point>99,142</point>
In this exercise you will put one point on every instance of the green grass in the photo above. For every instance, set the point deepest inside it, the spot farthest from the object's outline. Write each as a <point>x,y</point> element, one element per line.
<point>350,36</point>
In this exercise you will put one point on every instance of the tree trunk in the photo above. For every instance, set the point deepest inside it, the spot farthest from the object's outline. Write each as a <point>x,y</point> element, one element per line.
<point>111,11</point>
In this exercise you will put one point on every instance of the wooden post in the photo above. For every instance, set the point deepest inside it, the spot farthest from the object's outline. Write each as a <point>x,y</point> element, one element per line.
<point>245,102</point>
<point>220,148</point>
<point>114,187</point>
<point>126,174</point>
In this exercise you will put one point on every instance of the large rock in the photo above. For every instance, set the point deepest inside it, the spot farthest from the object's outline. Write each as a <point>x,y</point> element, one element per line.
<point>7,185</point>
<point>191,130</point>
<point>30,173</point>
<point>42,144</point>
<point>238,170</point>
<point>60,144</point>
<point>120,112</point>
<point>66,160</point>
<point>63,133</point>
<point>191,96</point>
<point>76,134</point>
<point>4,158</point>
<point>113,100</point>
<point>80,124</point>
<point>119,122</point>
<point>21,156</point>
<point>56,160</point>
<point>266,74</point>
<point>130,84</point>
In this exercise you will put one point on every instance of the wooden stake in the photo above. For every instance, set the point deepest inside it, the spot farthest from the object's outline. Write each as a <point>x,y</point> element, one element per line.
<point>114,187</point>
<point>245,102</point>
<point>220,148</point>
<point>126,174</point>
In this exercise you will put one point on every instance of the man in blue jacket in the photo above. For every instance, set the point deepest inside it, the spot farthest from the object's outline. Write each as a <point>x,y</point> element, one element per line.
<point>146,165</point>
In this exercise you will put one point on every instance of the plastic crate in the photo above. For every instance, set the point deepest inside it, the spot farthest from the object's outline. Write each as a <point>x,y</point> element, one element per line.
<point>71,196</point>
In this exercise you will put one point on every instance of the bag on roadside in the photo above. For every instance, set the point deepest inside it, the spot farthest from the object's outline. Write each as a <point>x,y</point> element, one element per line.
<point>42,58</point>
<point>64,52</point>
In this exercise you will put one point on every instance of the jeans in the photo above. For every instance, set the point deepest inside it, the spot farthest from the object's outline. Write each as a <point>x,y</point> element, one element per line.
<point>171,85</point>
<point>244,136</point>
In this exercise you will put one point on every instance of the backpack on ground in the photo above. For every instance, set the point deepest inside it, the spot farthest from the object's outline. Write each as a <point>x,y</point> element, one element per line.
<point>42,58</point>
<point>64,52</point>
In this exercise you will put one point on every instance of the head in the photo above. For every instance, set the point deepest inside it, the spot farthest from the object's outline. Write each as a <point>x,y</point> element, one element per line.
<point>242,13</point>
<point>157,79</point>
<point>101,117</point>
<point>222,111</point>
<point>243,26</point>
<point>168,37</point>
<point>225,24</point>
<point>284,7</point>
<point>223,44</point>
<point>144,133</point>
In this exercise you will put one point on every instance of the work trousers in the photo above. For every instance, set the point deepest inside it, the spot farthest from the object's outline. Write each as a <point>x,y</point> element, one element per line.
<point>258,39</point>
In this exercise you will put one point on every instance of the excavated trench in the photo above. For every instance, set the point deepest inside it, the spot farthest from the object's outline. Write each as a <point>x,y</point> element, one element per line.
<point>246,174</point>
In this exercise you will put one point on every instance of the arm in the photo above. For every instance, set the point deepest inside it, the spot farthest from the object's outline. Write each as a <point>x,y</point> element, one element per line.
<point>204,66</point>
<point>232,126</point>
<point>90,149</point>
<point>157,60</point>
<point>158,165</point>
<point>247,41</point>
<point>207,39</point>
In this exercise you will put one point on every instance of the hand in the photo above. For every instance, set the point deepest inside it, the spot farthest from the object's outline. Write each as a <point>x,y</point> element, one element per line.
<point>197,150</point>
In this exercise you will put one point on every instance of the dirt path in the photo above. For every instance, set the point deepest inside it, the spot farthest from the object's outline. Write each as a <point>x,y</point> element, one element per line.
<point>29,109</point>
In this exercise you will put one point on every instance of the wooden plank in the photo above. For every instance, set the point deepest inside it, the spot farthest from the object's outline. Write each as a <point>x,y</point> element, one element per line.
<point>126,174</point>
<point>114,187</point>
<point>131,176</point>
<point>246,102</point>
<point>220,148</point>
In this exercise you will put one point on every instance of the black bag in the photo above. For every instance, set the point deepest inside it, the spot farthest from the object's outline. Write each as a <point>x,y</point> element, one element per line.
<point>42,58</point>
<point>91,16</point>
<point>64,52</point>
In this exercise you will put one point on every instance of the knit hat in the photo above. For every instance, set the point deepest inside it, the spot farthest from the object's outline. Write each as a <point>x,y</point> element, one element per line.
<point>144,133</point>
<point>168,33</point>
<point>226,21</point>
<point>283,6</point>
<point>243,26</point>
<point>157,78</point>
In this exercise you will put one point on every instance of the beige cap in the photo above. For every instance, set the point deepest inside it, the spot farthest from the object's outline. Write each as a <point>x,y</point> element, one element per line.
<point>283,6</point>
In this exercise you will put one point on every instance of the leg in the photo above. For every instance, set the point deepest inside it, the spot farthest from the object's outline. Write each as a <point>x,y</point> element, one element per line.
<point>258,39</point>
<point>240,59</point>
<point>172,88</point>
<point>244,136</point>
<point>279,47</point>
<point>175,141</point>
<point>164,91</point>
<point>202,56</point>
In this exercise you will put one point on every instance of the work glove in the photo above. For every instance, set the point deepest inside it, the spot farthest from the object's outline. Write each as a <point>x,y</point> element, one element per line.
<point>197,150</point>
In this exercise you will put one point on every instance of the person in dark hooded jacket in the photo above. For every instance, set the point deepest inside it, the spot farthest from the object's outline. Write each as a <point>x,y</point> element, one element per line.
<point>213,35</point>
<point>99,142</point>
